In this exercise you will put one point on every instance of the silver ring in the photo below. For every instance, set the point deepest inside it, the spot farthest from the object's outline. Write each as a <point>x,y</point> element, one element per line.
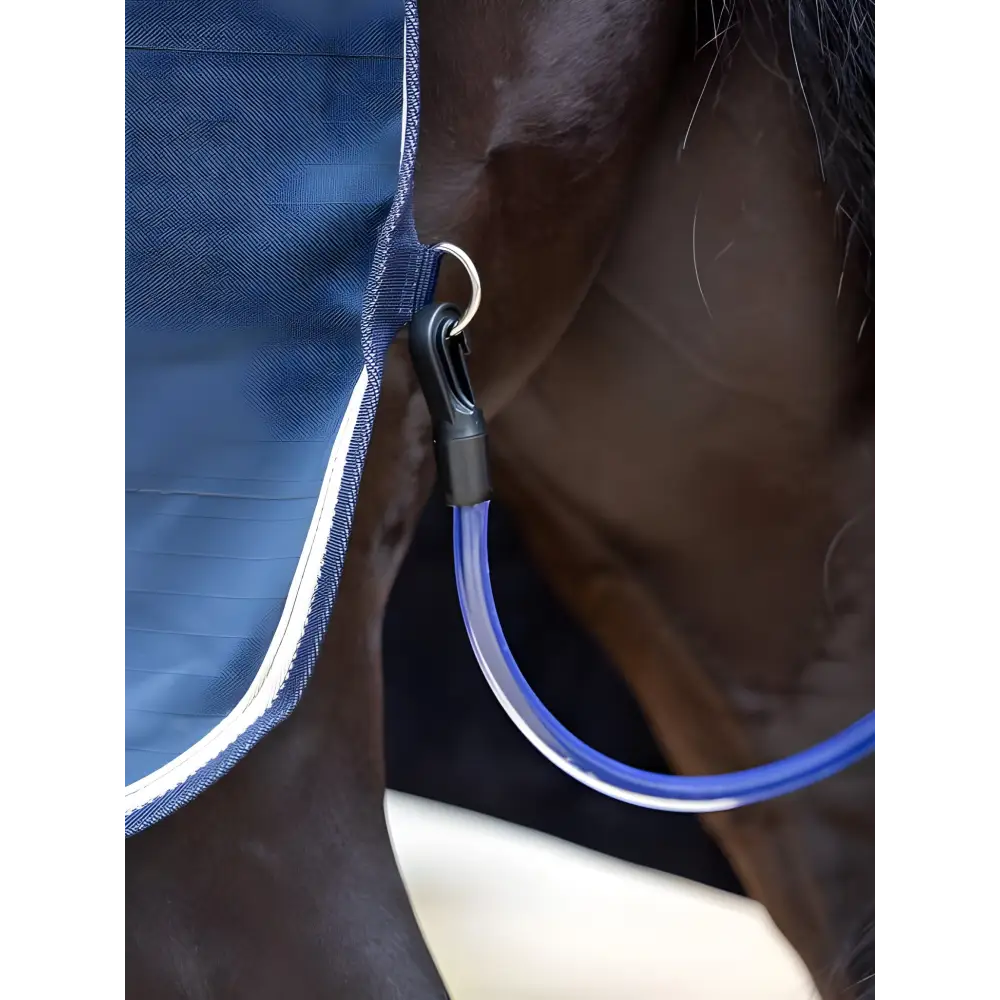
<point>477,289</point>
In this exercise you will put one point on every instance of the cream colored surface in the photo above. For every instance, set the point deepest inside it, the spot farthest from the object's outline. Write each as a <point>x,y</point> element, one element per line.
<point>510,914</point>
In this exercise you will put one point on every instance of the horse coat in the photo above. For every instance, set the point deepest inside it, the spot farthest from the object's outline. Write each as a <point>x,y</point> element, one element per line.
<point>271,257</point>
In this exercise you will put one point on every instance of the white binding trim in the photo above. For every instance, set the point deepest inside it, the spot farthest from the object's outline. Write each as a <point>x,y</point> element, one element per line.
<point>277,662</point>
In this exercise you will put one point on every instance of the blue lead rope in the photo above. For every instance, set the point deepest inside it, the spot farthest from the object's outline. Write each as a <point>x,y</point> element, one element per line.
<point>713,793</point>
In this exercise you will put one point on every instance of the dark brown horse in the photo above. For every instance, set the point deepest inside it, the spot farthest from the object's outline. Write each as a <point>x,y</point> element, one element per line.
<point>693,473</point>
<point>685,428</point>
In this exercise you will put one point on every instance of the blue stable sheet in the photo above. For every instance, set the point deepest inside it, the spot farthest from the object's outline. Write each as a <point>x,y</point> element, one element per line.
<point>270,258</point>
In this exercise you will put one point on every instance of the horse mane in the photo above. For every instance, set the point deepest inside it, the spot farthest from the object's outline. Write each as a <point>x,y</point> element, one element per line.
<point>857,966</point>
<point>833,44</point>
<point>830,66</point>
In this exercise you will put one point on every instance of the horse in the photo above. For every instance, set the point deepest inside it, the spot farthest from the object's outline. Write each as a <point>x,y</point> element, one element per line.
<point>671,207</point>
<point>692,469</point>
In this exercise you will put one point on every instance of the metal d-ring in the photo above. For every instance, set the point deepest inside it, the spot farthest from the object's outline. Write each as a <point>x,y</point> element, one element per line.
<point>477,289</point>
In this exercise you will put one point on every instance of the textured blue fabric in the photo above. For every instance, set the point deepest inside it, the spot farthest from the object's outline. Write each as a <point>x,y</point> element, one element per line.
<point>270,258</point>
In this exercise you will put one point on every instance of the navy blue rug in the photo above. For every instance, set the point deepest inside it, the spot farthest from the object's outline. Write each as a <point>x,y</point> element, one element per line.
<point>270,259</point>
